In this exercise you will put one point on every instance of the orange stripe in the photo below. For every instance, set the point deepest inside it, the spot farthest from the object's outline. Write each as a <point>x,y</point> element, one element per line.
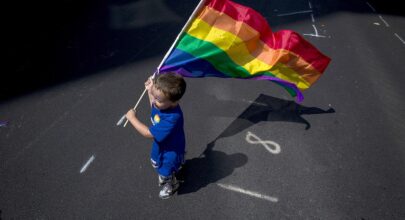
<point>258,48</point>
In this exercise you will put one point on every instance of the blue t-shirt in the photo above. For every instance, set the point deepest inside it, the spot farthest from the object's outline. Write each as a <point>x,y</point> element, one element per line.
<point>168,132</point>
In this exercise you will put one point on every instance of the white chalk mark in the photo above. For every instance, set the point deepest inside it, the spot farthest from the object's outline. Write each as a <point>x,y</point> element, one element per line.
<point>309,4</point>
<point>294,13</point>
<point>121,121</point>
<point>372,8</point>
<point>276,147</point>
<point>3,124</point>
<point>254,102</point>
<point>45,131</point>
<point>382,19</point>
<point>248,192</point>
<point>314,35</point>
<point>316,31</point>
<point>312,18</point>
<point>399,38</point>
<point>87,164</point>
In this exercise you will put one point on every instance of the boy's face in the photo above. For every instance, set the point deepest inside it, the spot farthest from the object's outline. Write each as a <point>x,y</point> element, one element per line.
<point>160,100</point>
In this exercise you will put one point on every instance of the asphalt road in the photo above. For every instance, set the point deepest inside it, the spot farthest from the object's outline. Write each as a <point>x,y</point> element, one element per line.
<point>252,152</point>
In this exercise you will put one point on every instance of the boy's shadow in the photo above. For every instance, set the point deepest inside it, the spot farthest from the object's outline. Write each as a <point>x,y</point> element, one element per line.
<point>213,165</point>
<point>210,167</point>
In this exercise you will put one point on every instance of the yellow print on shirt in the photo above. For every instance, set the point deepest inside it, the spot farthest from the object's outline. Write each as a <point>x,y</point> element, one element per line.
<point>156,118</point>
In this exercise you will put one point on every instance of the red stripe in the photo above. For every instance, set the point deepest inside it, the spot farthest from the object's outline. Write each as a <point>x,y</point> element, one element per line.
<point>284,39</point>
<point>291,41</point>
<point>241,13</point>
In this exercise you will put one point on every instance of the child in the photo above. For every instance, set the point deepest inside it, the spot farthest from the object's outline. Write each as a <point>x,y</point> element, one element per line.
<point>167,154</point>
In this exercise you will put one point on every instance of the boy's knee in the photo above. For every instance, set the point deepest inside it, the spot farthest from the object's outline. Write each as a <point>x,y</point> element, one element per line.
<point>171,163</point>
<point>165,170</point>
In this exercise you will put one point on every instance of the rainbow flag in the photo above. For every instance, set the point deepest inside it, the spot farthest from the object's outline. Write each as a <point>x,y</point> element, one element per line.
<point>226,39</point>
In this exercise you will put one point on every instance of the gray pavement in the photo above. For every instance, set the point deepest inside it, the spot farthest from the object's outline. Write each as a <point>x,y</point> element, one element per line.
<point>252,152</point>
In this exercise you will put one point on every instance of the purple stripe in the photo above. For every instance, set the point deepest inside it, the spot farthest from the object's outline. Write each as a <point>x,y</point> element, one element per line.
<point>300,96</point>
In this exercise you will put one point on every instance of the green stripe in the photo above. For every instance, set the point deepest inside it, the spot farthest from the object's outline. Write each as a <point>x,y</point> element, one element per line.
<point>218,58</point>
<point>214,55</point>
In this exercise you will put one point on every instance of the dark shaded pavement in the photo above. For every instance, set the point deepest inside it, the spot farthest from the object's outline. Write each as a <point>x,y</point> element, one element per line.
<point>74,69</point>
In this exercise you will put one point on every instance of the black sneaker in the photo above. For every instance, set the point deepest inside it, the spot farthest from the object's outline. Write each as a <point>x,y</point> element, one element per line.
<point>169,188</point>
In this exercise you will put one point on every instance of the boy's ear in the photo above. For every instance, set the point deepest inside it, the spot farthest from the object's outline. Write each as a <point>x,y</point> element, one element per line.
<point>175,103</point>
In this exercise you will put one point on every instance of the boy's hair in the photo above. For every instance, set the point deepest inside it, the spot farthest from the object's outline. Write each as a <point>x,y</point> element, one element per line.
<point>171,84</point>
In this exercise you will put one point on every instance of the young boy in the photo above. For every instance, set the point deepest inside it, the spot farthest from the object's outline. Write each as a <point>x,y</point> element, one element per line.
<point>167,154</point>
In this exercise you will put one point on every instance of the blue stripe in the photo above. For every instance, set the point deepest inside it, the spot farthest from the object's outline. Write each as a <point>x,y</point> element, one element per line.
<point>189,66</point>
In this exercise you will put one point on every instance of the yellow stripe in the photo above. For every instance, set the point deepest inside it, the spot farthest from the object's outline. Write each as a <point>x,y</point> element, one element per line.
<point>257,47</point>
<point>239,53</point>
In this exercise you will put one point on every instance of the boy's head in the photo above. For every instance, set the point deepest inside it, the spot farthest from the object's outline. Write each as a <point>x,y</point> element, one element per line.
<point>167,90</point>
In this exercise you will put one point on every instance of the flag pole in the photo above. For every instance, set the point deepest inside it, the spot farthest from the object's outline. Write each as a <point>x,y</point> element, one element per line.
<point>196,10</point>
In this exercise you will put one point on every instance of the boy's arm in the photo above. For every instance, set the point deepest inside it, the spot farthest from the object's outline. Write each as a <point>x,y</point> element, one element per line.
<point>138,125</point>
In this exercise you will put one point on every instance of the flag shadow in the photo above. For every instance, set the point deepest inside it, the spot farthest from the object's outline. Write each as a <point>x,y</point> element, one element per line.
<point>268,108</point>
<point>213,165</point>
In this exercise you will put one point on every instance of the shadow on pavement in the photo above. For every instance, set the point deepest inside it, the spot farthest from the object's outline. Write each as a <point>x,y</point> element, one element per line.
<point>49,43</point>
<point>53,43</point>
<point>212,165</point>
<point>268,108</point>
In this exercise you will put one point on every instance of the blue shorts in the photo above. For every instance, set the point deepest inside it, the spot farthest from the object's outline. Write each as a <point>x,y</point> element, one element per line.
<point>166,162</point>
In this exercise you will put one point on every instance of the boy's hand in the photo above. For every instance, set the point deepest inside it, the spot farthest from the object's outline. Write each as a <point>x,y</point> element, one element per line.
<point>131,114</point>
<point>149,83</point>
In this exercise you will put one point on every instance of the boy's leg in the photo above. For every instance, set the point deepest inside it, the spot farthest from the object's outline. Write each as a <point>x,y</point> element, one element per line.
<point>154,156</point>
<point>166,175</point>
<point>162,180</point>
<point>181,171</point>
<point>155,165</point>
